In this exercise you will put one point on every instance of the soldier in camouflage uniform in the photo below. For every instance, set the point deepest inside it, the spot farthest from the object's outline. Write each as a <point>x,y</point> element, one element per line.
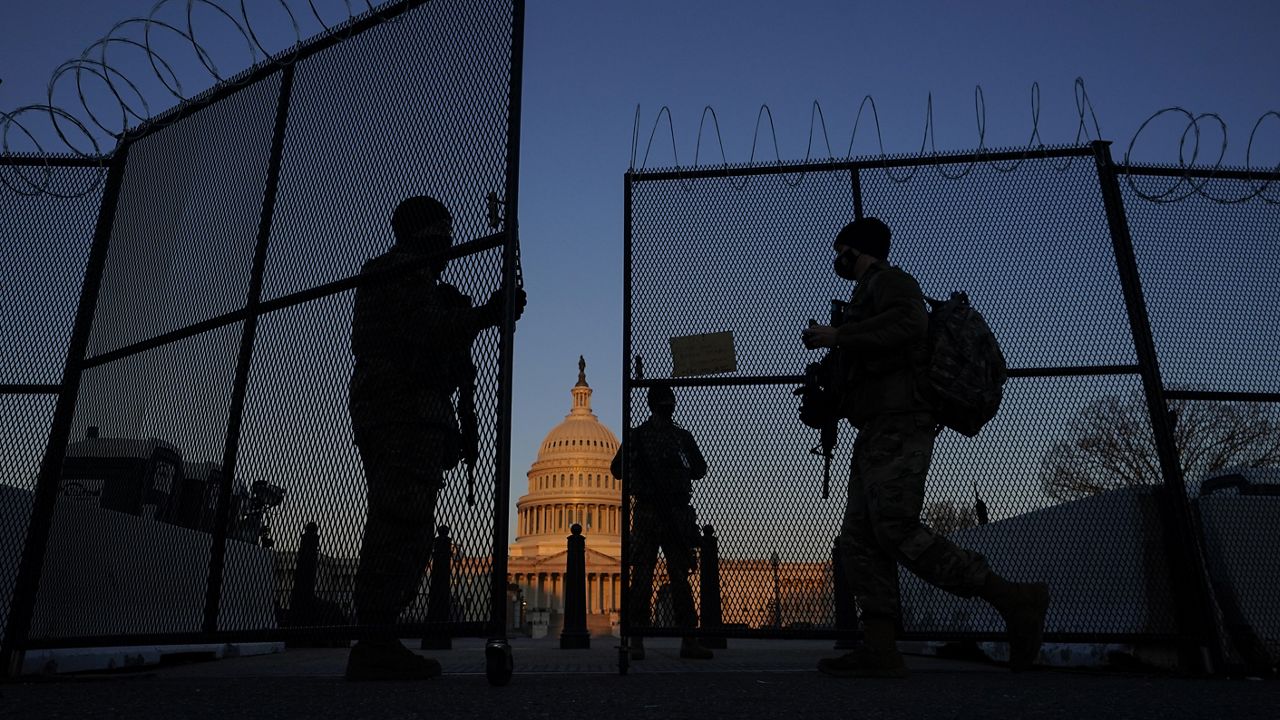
<point>880,348</point>
<point>664,461</point>
<point>411,335</point>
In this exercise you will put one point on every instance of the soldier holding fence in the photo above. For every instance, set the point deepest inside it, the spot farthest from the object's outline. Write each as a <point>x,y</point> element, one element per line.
<point>411,334</point>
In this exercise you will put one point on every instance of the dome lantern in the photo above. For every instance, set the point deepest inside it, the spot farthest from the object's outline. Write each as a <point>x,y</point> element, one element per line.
<point>582,391</point>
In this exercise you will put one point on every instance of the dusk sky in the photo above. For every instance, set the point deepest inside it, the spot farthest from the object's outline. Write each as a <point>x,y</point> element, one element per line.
<point>589,64</point>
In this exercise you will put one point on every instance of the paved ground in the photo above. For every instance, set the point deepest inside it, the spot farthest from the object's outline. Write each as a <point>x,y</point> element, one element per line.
<point>750,679</point>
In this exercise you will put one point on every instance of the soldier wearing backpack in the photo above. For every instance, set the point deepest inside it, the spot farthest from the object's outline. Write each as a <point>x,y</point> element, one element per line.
<point>881,351</point>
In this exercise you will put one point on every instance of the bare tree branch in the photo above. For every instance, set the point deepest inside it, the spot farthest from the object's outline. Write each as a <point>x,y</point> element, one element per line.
<point>1110,444</point>
<point>945,517</point>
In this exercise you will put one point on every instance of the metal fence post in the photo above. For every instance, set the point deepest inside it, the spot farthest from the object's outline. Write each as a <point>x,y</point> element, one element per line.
<point>855,178</point>
<point>497,648</point>
<point>27,583</point>
<point>498,660</point>
<point>244,361</point>
<point>624,580</point>
<point>1191,594</point>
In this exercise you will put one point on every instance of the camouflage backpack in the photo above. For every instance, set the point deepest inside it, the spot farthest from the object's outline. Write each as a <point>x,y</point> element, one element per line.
<point>964,378</point>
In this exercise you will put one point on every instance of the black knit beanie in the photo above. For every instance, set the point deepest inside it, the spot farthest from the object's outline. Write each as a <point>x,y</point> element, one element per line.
<point>868,235</point>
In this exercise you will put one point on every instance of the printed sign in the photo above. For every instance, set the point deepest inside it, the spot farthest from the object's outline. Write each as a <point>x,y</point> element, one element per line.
<point>708,354</point>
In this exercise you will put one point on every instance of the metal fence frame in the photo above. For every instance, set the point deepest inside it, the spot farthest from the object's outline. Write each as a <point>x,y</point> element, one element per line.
<point>1198,630</point>
<point>16,638</point>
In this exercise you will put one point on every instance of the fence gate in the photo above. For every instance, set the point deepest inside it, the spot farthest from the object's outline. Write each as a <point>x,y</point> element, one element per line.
<point>1040,241</point>
<point>201,423</point>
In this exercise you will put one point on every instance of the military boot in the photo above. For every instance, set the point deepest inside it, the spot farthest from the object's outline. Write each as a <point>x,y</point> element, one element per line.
<point>636,650</point>
<point>691,649</point>
<point>878,657</point>
<point>388,660</point>
<point>1023,607</point>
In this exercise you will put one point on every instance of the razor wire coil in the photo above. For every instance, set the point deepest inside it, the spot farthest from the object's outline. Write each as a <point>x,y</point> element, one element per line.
<point>1192,180</point>
<point>78,130</point>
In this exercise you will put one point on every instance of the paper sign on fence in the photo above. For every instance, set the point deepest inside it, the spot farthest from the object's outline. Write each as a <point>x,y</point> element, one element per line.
<point>707,354</point>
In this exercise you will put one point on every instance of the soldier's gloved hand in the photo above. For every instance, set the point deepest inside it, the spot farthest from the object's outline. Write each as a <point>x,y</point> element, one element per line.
<point>493,307</point>
<point>819,336</point>
<point>522,299</point>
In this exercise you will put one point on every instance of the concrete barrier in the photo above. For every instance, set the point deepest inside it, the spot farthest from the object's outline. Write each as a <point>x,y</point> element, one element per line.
<point>1102,556</point>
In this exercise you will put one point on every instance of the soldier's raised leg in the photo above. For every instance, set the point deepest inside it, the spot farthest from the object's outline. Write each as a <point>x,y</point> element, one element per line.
<point>893,467</point>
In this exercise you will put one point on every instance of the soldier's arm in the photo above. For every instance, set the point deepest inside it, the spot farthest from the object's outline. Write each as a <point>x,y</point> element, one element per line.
<point>495,307</point>
<point>457,316</point>
<point>697,464</point>
<point>901,321</point>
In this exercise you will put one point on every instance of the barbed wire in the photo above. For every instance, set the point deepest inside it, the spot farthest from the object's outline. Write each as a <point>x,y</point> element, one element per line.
<point>1194,180</point>
<point>74,129</point>
<point>817,119</point>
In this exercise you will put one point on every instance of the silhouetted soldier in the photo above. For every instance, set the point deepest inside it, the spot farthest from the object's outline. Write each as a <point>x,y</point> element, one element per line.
<point>664,461</point>
<point>411,334</point>
<point>881,348</point>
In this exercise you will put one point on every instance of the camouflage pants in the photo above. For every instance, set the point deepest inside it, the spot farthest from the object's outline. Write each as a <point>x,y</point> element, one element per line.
<point>404,475</point>
<point>882,527</point>
<point>667,528</point>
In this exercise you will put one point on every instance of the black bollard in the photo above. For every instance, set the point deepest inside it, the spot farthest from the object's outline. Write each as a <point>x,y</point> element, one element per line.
<point>305,609</point>
<point>439,594</point>
<point>846,616</point>
<point>575,636</point>
<point>302,596</point>
<point>709,590</point>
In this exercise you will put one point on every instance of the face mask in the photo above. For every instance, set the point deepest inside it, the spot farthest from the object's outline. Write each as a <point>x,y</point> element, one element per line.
<point>844,263</point>
<point>663,410</point>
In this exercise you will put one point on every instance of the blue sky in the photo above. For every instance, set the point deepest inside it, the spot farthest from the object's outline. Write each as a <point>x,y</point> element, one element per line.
<point>589,64</point>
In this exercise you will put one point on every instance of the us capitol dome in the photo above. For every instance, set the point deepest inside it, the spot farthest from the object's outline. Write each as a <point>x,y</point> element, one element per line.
<point>570,483</point>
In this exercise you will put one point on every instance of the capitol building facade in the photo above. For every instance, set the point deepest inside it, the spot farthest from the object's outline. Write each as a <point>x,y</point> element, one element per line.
<point>570,483</point>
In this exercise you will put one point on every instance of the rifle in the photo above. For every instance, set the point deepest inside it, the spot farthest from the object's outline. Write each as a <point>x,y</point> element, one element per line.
<point>471,483</point>
<point>817,411</point>
<point>818,407</point>
<point>470,435</point>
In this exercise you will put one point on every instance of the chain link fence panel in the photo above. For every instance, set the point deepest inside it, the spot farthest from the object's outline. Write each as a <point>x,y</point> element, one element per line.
<point>747,250</point>
<point>44,244</point>
<point>211,424</point>
<point>1208,271</point>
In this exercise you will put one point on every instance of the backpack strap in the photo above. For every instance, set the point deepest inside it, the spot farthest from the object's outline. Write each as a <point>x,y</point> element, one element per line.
<point>960,295</point>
